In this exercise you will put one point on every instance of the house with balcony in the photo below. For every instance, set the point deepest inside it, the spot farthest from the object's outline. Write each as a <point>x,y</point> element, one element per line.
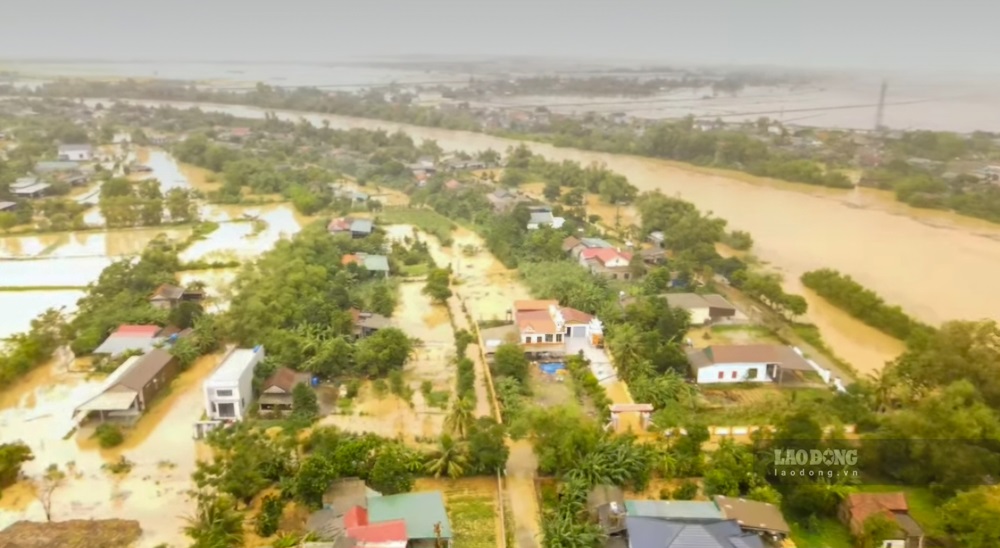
<point>544,326</point>
<point>229,390</point>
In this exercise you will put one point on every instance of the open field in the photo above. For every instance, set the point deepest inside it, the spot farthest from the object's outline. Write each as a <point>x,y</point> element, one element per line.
<point>472,509</point>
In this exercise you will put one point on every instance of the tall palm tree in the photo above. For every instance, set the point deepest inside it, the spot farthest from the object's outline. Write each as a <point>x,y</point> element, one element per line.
<point>215,524</point>
<point>450,459</point>
<point>459,420</point>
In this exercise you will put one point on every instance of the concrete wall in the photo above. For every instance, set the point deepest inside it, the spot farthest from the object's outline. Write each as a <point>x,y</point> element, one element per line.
<point>733,372</point>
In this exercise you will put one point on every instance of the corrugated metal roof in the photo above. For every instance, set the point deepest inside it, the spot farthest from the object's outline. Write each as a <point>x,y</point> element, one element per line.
<point>379,263</point>
<point>233,366</point>
<point>680,509</point>
<point>420,511</point>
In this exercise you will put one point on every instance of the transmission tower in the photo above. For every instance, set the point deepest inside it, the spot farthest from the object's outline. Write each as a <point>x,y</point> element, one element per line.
<point>879,126</point>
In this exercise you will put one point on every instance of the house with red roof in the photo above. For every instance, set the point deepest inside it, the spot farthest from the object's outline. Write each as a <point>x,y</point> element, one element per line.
<point>857,508</point>
<point>545,326</point>
<point>387,534</point>
<point>608,262</point>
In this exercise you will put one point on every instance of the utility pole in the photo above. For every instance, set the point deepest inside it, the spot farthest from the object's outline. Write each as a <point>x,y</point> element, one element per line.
<point>880,112</point>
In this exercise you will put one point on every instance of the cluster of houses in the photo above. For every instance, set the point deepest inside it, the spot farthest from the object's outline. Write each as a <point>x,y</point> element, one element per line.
<point>228,392</point>
<point>728,522</point>
<point>67,169</point>
<point>354,515</point>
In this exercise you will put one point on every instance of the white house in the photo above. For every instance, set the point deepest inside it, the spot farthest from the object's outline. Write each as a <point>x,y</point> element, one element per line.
<point>545,218</point>
<point>76,153</point>
<point>703,309</point>
<point>744,363</point>
<point>229,390</point>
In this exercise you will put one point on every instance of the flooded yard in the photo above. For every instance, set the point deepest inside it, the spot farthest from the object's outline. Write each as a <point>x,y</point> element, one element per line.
<point>389,415</point>
<point>38,410</point>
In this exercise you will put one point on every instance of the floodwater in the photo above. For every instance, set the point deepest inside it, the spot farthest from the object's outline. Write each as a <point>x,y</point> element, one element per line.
<point>74,259</point>
<point>938,266</point>
<point>18,308</point>
<point>389,415</point>
<point>913,104</point>
<point>481,279</point>
<point>38,410</point>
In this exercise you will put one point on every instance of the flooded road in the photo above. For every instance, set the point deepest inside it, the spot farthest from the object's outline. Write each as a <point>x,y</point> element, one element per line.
<point>936,265</point>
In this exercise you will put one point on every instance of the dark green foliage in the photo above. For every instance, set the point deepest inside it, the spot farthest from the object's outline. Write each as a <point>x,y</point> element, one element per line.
<point>109,435</point>
<point>12,455</point>
<point>24,351</point>
<point>304,403</point>
<point>510,361</point>
<point>437,285</point>
<point>863,304</point>
<point>270,515</point>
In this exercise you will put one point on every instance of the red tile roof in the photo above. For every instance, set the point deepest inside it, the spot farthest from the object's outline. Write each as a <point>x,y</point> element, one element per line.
<point>350,259</point>
<point>452,184</point>
<point>535,321</point>
<point>341,224</point>
<point>572,315</point>
<point>864,505</point>
<point>604,254</point>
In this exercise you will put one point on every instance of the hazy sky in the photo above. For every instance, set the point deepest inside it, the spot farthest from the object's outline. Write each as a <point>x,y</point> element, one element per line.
<point>898,34</point>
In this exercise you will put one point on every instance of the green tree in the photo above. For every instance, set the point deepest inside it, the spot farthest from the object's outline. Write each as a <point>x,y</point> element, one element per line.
<point>180,206</point>
<point>394,469</point>
<point>972,518</point>
<point>488,450</point>
<point>386,350</point>
<point>7,221</point>
<point>876,529</point>
<point>304,402</point>
<point>12,455</point>
<point>215,523</point>
<point>437,285</point>
<point>509,361</point>
<point>450,459</point>
<point>269,518</point>
<point>461,417</point>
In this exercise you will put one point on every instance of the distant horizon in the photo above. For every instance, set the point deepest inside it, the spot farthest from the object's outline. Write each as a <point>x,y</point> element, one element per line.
<point>606,63</point>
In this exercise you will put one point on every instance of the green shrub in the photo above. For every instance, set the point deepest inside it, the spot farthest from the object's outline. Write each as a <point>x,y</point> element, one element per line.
<point>109,435</point>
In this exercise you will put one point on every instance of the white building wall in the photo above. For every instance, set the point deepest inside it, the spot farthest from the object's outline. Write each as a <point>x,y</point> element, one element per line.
<point>241,387</point>
<point>732,372</point>
<point>699,316</point>
<point>76,155</point>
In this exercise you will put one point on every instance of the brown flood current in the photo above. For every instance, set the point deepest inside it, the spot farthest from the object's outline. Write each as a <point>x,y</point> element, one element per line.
<point>912,257</point>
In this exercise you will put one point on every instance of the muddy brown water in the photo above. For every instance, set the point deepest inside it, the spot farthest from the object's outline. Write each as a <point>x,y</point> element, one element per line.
<point>38,410</point>
<point>938,266</point>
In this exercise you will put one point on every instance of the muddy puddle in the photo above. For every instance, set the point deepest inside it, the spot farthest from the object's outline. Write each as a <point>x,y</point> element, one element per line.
<point>38,411</point>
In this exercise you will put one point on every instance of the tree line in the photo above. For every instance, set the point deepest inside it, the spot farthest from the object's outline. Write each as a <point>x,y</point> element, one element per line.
<point>864,304</point>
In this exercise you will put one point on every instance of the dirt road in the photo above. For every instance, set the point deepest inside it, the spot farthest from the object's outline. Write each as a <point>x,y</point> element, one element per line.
<point>521,466</point>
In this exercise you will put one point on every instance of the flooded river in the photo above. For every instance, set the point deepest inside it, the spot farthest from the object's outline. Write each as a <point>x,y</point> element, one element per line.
<point>936,265</point>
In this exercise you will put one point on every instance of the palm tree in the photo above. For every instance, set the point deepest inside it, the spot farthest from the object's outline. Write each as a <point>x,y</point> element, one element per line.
<point>460,420</point>
<point>215,524</point>
<point>450,459</point>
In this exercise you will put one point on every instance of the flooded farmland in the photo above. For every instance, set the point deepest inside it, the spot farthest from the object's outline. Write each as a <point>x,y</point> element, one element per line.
<point>797,228</point>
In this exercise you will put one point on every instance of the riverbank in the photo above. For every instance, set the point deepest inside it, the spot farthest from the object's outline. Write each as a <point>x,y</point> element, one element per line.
<point>797,230</point>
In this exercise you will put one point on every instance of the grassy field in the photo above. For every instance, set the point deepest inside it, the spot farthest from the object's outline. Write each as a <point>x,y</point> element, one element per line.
<point>827,533</point>
<point>471,504</point>
<point>427,220</point>
<point>748,405</point>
